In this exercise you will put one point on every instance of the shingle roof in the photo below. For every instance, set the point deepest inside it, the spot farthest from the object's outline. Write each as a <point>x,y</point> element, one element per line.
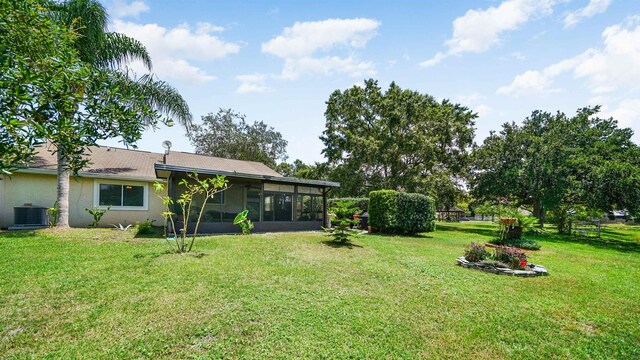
<point>221,164</point>
<point>136,164</point>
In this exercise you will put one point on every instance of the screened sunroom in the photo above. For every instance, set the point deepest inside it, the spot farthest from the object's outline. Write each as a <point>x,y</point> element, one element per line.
<point>275,203</point>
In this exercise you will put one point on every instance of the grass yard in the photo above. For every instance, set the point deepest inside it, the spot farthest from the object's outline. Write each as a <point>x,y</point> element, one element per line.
<point>105,294</point>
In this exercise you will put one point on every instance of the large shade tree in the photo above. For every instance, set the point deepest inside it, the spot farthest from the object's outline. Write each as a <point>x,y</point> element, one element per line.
<point>227,134</point>
<point>112,103</point>
<point>93,98</point>
<point>394,139</point>
<point>36,61</point>
<point>554,162</point>
<point>301,170</point>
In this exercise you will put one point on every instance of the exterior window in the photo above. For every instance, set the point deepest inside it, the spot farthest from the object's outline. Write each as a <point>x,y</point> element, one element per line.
<point>253,204</point>
<point>279,188</point>
<point>132,195</point>
<point>278,206</point>
<point>309,208</point>
<point>110,195</point>
<point>309,190</point>
<point>213,209</point>
<point>121,195</point>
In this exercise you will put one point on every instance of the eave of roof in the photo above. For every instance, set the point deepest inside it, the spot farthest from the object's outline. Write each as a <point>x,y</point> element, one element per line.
<point>89,174</point>
<point>280,179</point>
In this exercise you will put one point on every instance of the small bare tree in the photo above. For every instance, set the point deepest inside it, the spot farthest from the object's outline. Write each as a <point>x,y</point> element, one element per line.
<point>207,187</point>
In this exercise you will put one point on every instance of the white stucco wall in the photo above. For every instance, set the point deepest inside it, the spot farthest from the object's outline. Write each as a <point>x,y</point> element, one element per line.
<point>40,190</point>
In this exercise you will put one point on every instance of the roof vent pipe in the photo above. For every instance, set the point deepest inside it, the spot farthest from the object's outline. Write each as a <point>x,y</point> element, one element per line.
<point>167,146</point>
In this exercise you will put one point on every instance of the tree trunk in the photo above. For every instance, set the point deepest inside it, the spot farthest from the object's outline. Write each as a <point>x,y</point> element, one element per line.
<point>63,191</point>
<point>538,212</point>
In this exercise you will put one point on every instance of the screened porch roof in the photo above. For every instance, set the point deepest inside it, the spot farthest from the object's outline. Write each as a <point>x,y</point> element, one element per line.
<point>164,170</point>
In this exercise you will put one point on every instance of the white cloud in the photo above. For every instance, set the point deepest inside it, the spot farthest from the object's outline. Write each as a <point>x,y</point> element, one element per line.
<point>171,49</point>
<point>255,83</point>
<point>612,67</point>
<point>518,56</point>
<point>475,102</point>
<point>483,110</point>
<point>204,28</point>
<point>471,98</point>
<point>295,67</point>
<point>305,38</point>
<point>300,44</point>
<point>594,7</point>
<point>627,112</point>
<point>121,8</point>
<point>479,30</point>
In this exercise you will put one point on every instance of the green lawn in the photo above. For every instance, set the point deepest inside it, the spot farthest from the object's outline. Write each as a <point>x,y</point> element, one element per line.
<point>105,294</point>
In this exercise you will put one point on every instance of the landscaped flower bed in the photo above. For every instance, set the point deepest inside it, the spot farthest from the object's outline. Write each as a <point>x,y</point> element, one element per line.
<point>503,260</point>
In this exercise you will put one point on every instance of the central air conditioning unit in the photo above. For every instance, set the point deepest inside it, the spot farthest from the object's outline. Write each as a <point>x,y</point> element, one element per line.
<point>30,216</point>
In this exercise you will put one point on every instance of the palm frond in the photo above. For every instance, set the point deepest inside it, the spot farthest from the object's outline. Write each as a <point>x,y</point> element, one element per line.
<point>89,19</point>
<point>119,49</point>
<point>165,99</point>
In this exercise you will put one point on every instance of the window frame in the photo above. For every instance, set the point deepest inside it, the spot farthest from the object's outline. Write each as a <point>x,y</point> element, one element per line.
<point>300,208</point>
<point>96,195</point>
<point>268,193</point>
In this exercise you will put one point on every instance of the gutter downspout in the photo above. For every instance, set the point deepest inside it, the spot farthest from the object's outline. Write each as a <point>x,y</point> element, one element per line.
<point>325,217</point>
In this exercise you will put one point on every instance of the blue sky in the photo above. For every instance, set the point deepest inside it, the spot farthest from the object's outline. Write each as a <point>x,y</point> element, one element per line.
<point>279,61</point>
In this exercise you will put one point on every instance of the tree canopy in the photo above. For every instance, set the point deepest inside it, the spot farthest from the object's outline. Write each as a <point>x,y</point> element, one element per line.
<point>396,139</point>
<point>227,134</point>
<point>554,162</point>
<point>73,92</point>
<point>298,169</point>
<point>36,59</point>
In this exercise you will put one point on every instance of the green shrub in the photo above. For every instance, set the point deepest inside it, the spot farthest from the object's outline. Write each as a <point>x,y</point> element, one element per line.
<point>362,203</point>
<point>97,214</point>
<point>416,213</point>
<point>342,221</point>
<point>521,243</point>
<point>405,213</point>
<point>476,252</point>
<point>243,221</point>
<point>145,227</point>
<point>527,244</point>
<point>54,214</point>
<point>383,208</point>
<point>511,256</point>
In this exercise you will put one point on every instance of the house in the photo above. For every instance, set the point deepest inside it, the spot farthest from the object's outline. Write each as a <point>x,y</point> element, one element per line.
<point>123,179</point>
<point>618,216</point>
<point>452,214</point>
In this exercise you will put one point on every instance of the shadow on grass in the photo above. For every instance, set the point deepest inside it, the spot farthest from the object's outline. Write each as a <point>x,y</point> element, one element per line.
<point>148,236</point>
<point>402,236</point>
<point>604,243</point>
<point>338,245</point>
<point>151,256</point>
<point>609,244</point>
<point>477,231</point>
<point>18,234</point>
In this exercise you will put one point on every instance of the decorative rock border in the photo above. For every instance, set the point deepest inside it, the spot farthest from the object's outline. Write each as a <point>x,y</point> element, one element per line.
<point>535,270</point>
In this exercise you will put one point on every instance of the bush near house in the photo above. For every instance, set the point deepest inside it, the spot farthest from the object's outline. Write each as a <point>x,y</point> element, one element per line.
<point>416,213</point>
<point>383,207</point>
<point>396,212</point>
<point>361,203</point>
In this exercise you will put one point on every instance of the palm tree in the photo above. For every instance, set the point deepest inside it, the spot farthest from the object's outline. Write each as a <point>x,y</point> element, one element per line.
<point>110,51</point>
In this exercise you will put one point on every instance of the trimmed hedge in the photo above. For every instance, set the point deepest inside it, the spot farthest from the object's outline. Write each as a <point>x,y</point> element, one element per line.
<point>416,213</point>
<point>383,207</point>
<point>406,213</point>
<point>362,203</point>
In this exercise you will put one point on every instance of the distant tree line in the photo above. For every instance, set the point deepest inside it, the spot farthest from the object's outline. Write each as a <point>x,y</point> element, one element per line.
<point>553,164</point>
<point>557,164</point>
